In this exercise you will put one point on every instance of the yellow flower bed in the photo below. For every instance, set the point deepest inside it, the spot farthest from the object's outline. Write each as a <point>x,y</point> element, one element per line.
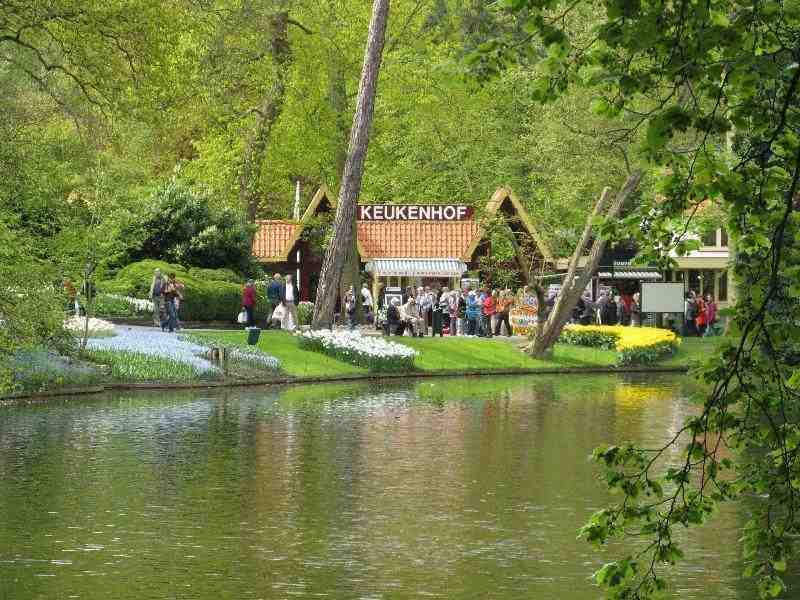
<point>634,345</point>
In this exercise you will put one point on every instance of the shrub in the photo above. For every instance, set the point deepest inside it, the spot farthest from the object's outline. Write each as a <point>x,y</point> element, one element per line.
<point>305,311</point>
<point>181,224</point>
<point>204,299</point>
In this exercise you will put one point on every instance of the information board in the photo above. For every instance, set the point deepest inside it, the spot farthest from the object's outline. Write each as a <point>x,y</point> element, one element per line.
<point>660,297</point>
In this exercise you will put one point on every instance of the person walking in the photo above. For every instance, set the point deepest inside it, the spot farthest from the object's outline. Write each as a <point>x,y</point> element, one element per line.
<point>504,305</point>
<point>394,324</point>
<point>157,297</point>
<point>289,295</point>
<point>701,318</point>
<point>690,314</point>
<point>367,303</point>
<point>274,291</point>
<point>636,310</point>
<point>249,302</point>
<point>461,311</point>
<point>489,310</point>
<point>350,308</point>
<point>172,295</point>
<point>473,313</point>
<point>711,315</point>
<point>72,297</point>
<point>444,306</point>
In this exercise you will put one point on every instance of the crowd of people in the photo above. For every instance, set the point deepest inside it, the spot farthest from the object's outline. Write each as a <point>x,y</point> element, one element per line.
<point>700,314</point>
<point>483,312</point>
<point>426,310</point>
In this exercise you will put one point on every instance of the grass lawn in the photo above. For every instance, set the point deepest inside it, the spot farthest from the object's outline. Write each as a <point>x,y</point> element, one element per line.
<point>691,351</point>
<point>294,360</point>
<point>448,353</point>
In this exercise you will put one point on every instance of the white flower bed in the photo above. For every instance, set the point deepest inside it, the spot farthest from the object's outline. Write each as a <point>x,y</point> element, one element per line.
<point>140,305</point>
<point>373,353</point>
<point>253,357</point>
<point>98,328</point>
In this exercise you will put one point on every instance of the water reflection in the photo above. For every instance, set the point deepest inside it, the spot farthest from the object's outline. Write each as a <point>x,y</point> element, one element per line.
<point>453,488</point>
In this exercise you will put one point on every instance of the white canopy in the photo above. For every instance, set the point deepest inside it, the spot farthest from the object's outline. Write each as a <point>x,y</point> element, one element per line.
<point>416,267</point>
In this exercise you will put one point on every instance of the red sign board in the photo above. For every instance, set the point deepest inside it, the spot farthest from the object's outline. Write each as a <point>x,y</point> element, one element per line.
<point>414,212</point>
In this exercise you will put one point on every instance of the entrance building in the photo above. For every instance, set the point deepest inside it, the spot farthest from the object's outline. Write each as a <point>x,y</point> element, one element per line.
<point>401,245</point>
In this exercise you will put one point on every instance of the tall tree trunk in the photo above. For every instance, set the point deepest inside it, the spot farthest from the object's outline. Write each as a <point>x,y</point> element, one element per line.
<point>342,242</point>
<point>337,99</point>
<point>547,333</point>
<point>266,115</point>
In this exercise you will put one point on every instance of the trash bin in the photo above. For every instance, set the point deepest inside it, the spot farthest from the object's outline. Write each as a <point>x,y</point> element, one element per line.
<point>253,333</point>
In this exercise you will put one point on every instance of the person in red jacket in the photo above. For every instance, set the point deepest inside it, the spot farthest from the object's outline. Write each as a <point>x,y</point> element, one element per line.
<point>489,309</point>
<point>249,302</point>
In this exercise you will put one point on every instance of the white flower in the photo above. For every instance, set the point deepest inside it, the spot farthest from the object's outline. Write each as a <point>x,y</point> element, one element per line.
<point>97,327</point>
<point>140,305</point>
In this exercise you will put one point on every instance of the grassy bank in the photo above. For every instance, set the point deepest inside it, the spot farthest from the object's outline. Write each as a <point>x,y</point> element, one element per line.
<point>448,354</point>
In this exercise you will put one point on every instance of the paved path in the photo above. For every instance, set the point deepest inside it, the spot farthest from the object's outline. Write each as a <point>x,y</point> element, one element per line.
<point>154,342</point>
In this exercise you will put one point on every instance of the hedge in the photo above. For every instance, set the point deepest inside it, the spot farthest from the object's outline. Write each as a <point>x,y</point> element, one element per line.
<point>204,299</point>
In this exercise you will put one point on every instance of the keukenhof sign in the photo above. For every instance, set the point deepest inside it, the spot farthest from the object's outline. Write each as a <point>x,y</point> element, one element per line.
<point>414,212</point>
<point>523,319</point>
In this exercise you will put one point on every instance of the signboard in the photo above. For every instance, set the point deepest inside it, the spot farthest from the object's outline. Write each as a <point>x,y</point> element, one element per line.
<point>414,212</point>
<point>659,297</point>
<point>523,319</point>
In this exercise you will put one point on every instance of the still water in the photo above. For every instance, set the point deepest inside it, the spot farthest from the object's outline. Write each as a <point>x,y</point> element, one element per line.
<point>453,488</point>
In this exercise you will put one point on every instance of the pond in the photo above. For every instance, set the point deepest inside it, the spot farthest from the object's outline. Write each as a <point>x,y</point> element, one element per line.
<point>446,488</point>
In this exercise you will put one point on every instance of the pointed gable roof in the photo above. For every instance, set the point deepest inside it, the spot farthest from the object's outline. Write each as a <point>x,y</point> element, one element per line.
<point>396,239</point>
<point>499,198</point>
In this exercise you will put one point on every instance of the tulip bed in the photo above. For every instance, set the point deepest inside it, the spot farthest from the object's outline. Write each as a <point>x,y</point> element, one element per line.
<point>634,345</point>
<point>372,353</point>
<point>98,328</point>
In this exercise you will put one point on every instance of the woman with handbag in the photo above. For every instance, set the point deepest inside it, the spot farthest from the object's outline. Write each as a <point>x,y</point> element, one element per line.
<point>249,302</point>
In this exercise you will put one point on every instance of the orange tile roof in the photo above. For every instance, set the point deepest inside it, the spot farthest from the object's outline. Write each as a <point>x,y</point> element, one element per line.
<point>416,239</point>
<point>274,239</point>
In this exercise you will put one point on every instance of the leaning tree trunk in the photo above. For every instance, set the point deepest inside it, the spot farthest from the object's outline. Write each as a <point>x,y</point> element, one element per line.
<point>342,242</point>
<point>266,116</point>
<point>547,332</point>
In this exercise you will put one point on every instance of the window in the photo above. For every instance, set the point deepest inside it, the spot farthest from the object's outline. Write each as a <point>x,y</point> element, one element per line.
<point>707,280</point>
<point>709,238</point>
<point>723,237</point>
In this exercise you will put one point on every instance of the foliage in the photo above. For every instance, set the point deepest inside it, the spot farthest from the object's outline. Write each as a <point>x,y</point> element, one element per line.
<point>304,312</point>
<point>31,305</point>
<point>115,305</point>
<point>714,90</point>
<point>204,299</point>
<point>372,353</point>
<point>181,225</point>
<point>39,369</point>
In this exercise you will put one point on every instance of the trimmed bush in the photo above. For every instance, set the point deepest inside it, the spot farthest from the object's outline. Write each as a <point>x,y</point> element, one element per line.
<point>204,299</point>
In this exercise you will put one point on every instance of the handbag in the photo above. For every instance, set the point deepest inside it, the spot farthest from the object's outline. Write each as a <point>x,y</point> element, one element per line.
<point>242,317</point>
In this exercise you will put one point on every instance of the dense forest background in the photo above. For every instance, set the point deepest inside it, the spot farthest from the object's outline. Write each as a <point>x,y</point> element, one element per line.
<point>159,131</point>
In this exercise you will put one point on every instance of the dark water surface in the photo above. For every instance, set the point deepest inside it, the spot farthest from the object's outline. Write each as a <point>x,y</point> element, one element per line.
<point>458,488</point>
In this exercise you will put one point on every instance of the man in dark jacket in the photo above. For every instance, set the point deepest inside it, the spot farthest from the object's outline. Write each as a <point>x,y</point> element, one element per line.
<point>274,293</point>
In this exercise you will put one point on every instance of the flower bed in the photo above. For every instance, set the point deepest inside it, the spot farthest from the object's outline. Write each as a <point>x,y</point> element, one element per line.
<point>98,328</point>
<point>253,358</point>
<point>634,345</point>
<point>117,305</point>
<point>373,353</point>
<point>126,365</point>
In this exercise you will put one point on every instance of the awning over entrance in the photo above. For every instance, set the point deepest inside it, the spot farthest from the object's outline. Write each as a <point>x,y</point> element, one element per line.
<point>416,267</point>
<point>628,273</point>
